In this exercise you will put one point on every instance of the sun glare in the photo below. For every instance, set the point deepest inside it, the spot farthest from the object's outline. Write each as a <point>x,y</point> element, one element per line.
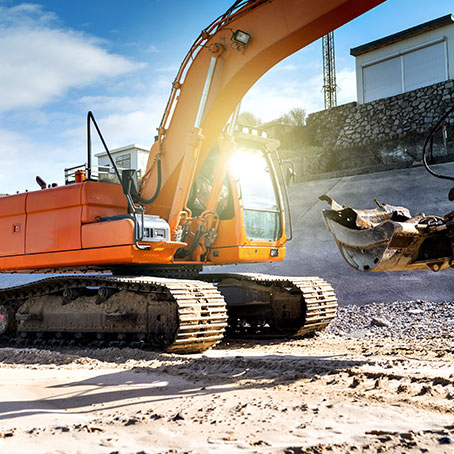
<point>244,163</point>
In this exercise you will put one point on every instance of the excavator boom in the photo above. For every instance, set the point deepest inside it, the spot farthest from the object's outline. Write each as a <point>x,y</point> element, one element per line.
<point>207,90</point>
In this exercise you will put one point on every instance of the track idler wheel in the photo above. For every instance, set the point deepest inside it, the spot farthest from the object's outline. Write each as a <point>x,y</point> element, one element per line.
<point>70,294</point>
<point>7,320</point>
<point>104,293</point>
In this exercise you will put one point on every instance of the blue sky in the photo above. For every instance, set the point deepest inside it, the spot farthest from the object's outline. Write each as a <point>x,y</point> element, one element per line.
<point>59,59</point>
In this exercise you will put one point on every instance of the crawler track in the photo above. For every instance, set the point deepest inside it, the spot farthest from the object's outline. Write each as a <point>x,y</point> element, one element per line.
<point>165,314</point>
<point>173,315</point>
<point>261,305</point>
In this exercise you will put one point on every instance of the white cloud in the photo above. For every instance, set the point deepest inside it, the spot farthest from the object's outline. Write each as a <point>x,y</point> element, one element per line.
<point>23,159</point>
<point>111,103</point>
<point>41,62</point>
<point>346,82</point>
<point>154,96</point>
<point>132,127</point>
<point>166,69</point>
<point>120,127</point>
<point>26,14</point>
<point>152,49</point>
<point>287,67</point>
<point>126,119</point>
<point>268,99</point>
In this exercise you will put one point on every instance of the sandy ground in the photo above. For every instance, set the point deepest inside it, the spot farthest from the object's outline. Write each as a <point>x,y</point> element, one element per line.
<point>326,394</point>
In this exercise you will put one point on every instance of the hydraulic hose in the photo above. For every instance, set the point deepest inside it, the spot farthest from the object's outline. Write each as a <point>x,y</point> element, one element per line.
<point>430,140</point>
<point>158,185</point>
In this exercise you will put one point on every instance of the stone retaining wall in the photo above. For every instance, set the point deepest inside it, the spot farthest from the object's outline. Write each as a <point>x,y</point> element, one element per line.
<point>386,132</point>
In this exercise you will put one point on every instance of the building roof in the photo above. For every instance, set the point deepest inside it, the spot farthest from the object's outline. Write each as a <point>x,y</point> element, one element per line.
<point>436,23</point>
<point>125,148</point>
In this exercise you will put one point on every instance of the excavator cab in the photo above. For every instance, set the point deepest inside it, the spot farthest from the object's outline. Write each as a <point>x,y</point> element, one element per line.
<point>249,212</point>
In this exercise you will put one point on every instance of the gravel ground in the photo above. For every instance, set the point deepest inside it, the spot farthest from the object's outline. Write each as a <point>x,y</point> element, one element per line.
<point>415,319</point>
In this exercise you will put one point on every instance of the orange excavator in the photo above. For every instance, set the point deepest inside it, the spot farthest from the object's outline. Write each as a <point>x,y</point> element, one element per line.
<point>134,249</point>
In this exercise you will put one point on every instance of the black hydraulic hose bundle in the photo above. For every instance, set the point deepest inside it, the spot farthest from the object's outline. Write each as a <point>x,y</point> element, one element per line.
<point>158,185</point>
<point>428,144</point>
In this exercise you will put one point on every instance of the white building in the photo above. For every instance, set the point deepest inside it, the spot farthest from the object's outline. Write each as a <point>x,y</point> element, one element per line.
<point>411,59</point>
<point>128,157</point>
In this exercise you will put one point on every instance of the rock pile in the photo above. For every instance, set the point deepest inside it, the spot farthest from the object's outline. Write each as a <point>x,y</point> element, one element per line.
<point>416,319</point>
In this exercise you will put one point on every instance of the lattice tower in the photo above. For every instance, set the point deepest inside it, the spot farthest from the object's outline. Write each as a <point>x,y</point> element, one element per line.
<point>329,71</point>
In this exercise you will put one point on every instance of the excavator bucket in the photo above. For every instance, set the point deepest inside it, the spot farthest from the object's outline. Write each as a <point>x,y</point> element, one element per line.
<point>389,238</point>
